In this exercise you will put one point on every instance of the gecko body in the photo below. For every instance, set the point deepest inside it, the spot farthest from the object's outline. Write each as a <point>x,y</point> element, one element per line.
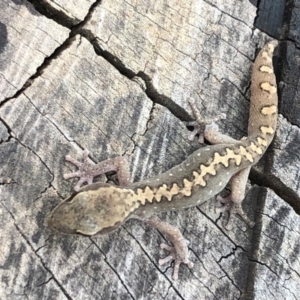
<point>101,208</point>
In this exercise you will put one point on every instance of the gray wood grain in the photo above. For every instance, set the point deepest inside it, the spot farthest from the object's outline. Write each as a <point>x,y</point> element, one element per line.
<point>61,94</point>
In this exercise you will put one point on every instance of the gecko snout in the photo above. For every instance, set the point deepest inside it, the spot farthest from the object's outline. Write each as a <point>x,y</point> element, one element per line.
<point>86,214</point>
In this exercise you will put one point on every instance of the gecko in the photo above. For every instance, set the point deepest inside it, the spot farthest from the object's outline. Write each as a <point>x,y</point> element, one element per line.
<point>101,208</point>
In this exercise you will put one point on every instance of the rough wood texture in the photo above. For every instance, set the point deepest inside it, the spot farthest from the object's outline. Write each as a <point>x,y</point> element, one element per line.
<point>26,39</point>
<point>66,88</point>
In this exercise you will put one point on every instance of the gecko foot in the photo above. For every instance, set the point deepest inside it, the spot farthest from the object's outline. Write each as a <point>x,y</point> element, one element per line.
<point>179,257</point>
<point>179,252</point>
<point>87,171</point>
<point>224,204</point>
<point>84,170</point>
<point>200,124</point>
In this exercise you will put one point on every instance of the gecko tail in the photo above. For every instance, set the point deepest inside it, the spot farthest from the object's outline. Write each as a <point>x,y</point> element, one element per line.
<point>264,99</point>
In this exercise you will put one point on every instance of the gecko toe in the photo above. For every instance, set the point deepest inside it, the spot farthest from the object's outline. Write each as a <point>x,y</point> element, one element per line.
<point>226,204</point>
<point>84,172</point>
<point>178,257</point>
<point>165,260</point>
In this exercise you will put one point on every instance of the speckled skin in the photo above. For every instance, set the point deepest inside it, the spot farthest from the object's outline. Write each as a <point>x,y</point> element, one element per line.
<point>211,184</point>
<point>101,208</point>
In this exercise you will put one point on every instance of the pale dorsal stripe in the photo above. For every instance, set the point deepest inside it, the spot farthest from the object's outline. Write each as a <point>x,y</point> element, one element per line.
<point>256,149</point>
<point>266,69</point>
<point>246,154</point>
<point>269,110</point>
<point>266,56</point>
<point>266,130</point>
<point>266,86</point>
<point>262,141</point>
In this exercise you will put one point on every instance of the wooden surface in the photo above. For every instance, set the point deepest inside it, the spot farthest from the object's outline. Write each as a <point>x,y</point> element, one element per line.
<point>77,76</point>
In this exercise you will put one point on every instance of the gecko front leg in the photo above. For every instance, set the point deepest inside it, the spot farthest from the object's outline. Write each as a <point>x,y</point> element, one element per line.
<point>202,125</point>
<point>233,202</point>
<point>179,251</point>
<point>87,171</point>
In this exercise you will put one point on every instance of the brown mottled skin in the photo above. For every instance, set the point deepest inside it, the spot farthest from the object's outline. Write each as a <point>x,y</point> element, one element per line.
<point>101,208</point>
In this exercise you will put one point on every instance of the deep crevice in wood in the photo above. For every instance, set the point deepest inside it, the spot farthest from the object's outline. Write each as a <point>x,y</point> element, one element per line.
<point>40,69</point>
<point>77,28</point>
<point>150,91</point>
<point>279,188</point>
<point>259,195</point>
<point>9,131</point>
<point>163,100</point>
<point>47,10</point>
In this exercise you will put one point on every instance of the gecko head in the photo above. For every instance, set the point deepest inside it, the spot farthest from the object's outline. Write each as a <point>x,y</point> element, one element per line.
<point>92,210</point>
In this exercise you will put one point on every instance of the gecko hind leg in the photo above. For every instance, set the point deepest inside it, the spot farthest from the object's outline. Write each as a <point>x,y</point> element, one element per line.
<point>87,171</point>
<point>179,251</point>
<point>233,202</point>
<point>201,125</point>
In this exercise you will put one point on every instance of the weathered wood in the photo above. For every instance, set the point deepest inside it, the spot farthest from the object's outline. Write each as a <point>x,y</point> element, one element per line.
<point>26,39</point>
<point>270,17</point>
<point>60,94</point>
<point>290,82</point>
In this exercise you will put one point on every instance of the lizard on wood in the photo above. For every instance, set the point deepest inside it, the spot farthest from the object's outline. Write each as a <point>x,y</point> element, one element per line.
<point>100,208</point>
